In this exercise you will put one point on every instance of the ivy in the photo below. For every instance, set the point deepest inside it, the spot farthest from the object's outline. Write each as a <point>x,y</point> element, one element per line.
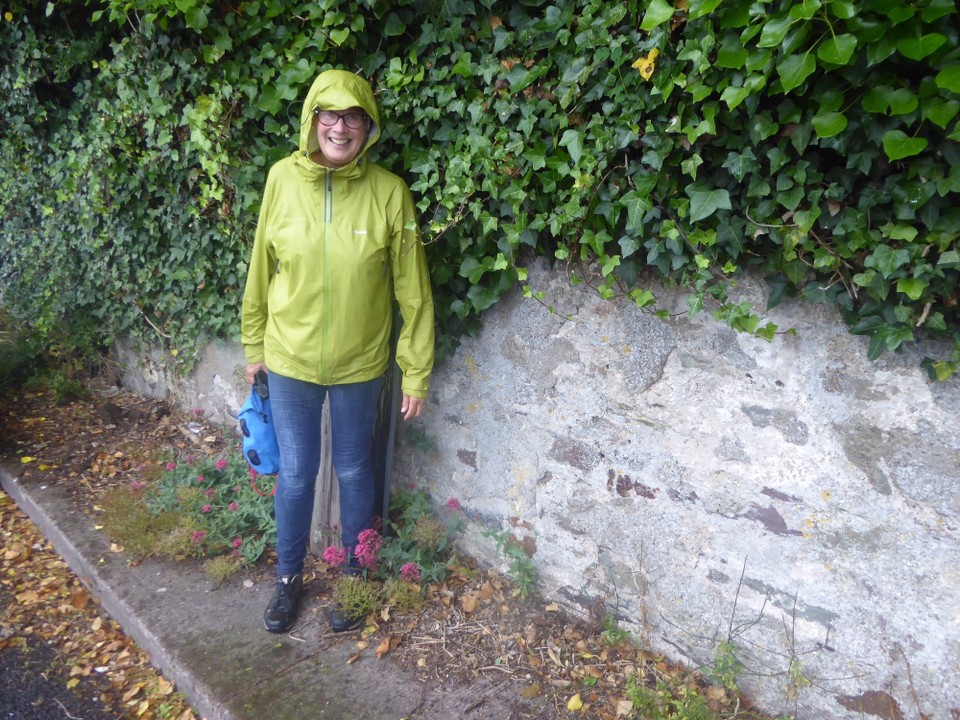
<point>814,142</point>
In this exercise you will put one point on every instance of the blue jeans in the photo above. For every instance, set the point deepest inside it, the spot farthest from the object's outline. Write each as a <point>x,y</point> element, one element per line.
<point>297,410</point>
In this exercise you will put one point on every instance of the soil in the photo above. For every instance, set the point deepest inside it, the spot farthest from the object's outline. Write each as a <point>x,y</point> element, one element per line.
<point>471,628</point>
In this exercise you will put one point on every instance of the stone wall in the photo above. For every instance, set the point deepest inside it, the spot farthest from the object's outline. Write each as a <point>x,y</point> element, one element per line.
<point>790,502</point>
<point>706,487</point>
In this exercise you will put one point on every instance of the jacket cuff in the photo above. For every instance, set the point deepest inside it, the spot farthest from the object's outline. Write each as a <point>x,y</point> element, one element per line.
<point>415,388</point>
<point>254,353</point>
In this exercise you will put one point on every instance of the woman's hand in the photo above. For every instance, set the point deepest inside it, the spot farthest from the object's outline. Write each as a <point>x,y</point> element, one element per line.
<point>412,407</point>
<point>253,369</point>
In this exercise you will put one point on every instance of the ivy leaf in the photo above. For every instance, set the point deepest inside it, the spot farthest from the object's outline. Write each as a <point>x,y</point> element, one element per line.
<point>898,145</point>
<point>837,50</point>
<point>732,57</point>
<point>795,69</point>
<point>638,204</point>
<point>949,79</point>
<point>774,31</point>
<point>573,141</point>
<point>903,102</point>
<point>940,113</point>
<point>704,203</point>
<point>828,124</point>
<point>912,287</point>
<point>658,12</point>
<point>877,99</point>
<point>919,48</point>
<point>698,8</point>
<point>887,260</point>
<point>394,26</point>
<point>843,9</point>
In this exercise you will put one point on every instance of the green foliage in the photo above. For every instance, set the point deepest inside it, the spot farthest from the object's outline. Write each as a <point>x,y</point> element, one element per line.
<point>417,544</point>
<point>727,667</point>
<point>666,703</point>
<point>814,142</point>
<point>612,633</point>
<point>522,570</point>
<point>196,507</point>
<point>357,597</point>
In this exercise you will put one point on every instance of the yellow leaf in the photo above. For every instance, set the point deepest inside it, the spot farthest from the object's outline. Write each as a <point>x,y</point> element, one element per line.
<point>383,648</point>
<point>552,607</point>
<point>8,16</point>
<point>42,466</point>
<point>646,64</point>
<point>144,706</point>
<point>164,686</point>
<point>27,459</point>
<point>174,352</point>
<point>575,703</point>
<point>73,682</point>
<point>531,691</point>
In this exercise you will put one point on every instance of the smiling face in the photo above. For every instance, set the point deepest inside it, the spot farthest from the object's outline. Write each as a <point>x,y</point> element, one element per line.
<point>338,144</point>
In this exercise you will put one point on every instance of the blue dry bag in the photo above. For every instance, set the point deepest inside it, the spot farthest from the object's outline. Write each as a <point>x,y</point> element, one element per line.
<point>260,448</point>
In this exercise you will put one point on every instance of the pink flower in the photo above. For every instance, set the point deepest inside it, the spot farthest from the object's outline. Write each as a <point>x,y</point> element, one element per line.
<point>454,504</point>
<point>198,535</point>
<point>200,479</point>
<point>233,506</point>
<point>189,459</point>
<point>410,572</point>
<point>211,492</point>
<point>335,556</point>
<point>198,412</point>
<point>137,485</point>
<point>206,508</point>
<point>170,466</point>
<point>366,551</point>
<point>221,464</point>
<point>237,542</point>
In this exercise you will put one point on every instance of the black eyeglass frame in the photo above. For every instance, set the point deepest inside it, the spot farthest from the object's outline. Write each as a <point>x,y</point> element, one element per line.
<point>353,120</point>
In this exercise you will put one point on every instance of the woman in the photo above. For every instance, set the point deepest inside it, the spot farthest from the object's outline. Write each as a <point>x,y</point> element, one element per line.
<point>336,242</point>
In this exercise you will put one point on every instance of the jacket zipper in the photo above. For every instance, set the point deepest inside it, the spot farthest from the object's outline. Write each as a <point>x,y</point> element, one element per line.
<point>327,223</point>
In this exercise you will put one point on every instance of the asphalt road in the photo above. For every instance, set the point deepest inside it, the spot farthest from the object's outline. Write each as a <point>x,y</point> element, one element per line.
<point>30,691</point>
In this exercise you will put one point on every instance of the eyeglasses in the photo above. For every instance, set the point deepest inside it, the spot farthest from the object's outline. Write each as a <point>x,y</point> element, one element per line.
<point>354,121</point>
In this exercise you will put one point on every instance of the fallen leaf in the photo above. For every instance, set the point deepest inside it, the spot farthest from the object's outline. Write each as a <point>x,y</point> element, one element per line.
<point>716,693</point>
<point>164,686</point>
<point>575,703</point>
<point>624,708</point>
<point>469,603</point>
<point>531,691</point>
<point>79,598</point>
<point>383,648</point>
<point>27,459</point>
<point>552,608</point>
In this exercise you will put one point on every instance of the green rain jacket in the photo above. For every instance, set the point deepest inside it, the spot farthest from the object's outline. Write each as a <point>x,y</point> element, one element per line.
<point>332,249</point>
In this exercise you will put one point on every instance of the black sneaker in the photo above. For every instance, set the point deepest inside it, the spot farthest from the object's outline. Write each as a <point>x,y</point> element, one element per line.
<point>341,622</point>
<point>281,613</point>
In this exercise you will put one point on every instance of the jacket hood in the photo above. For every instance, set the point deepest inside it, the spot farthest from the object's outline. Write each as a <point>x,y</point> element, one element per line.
<point>337,90</point>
